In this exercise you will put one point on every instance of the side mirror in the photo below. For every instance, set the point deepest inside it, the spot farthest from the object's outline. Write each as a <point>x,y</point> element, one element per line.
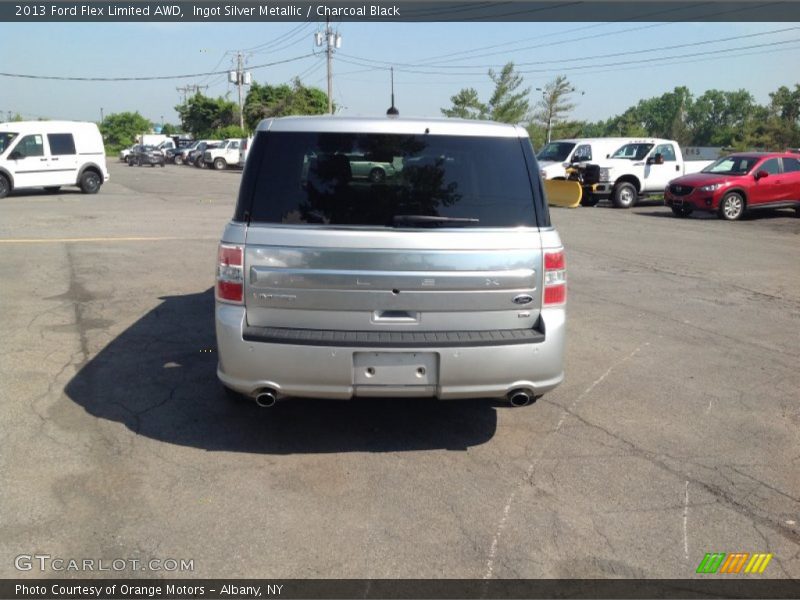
<point>608,156</point>
<point>761,174</point>
<point>16,155</point>
<point>657,159</point>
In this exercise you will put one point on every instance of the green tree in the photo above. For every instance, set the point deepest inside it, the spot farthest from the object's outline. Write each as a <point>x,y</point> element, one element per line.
<point>265,101</point>
<point>719,118</point>
<point>554,106</point>
<point>202,116</point>
<point>509,103</point>
<point>231,131</point>
<point>120,129</point>
<point>466,105</point>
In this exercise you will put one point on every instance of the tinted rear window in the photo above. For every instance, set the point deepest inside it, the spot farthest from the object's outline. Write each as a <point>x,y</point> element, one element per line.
<point>378,179</point>
<point>61,144</point>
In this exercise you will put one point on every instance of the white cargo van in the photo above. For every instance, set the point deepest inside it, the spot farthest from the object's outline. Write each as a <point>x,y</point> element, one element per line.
<point>51,154</point>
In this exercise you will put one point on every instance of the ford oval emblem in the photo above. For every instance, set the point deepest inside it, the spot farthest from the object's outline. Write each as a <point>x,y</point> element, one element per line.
<point>523,299</point>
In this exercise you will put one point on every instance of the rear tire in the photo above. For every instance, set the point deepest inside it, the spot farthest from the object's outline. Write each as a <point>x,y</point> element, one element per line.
<point>731,207</point>
<point>681,212</point>
<point>5,186</point>
<point>624,195</point>
<point>377,175</point>
<point>90,182</point>
<point>220,164</point>
<point>178,159</point>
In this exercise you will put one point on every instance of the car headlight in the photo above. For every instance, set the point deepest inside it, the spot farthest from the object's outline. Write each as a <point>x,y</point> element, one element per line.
<point>711,188</point>
<point>605,174</point>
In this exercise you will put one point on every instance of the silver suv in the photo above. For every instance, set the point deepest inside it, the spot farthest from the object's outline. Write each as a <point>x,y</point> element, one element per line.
<point>445,279</point>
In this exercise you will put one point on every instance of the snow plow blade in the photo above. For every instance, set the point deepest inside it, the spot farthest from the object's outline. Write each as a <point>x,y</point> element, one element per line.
<point>563,193</point>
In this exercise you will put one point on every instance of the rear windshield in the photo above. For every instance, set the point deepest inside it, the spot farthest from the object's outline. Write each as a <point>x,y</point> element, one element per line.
<point>388,180</point>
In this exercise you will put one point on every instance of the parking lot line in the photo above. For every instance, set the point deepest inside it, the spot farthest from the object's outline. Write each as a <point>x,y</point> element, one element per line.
<point>101,239</point>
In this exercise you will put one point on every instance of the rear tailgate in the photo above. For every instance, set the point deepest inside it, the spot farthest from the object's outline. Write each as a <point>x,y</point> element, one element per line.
<point>392,280</point>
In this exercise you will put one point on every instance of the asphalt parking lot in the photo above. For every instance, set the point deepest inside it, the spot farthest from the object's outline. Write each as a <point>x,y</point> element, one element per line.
<point>676,432</point>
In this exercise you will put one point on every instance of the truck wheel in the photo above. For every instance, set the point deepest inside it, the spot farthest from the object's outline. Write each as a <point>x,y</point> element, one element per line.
<point>624,195</point>
<point>220,164</point>
<point>731,207</point>
<point>178,159</point>
<point>90,182</point>
<point>5,186</point>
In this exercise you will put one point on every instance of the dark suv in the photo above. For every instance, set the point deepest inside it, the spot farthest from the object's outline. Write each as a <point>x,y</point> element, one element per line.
<point>146,155</point>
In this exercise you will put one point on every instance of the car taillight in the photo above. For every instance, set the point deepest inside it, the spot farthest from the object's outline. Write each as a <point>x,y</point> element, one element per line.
<point>555,278</point>
<point>230,273</point>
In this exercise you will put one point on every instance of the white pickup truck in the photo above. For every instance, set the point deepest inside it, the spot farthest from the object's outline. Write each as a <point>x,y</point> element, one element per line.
<point>640,168</point>
<point>225,155</point>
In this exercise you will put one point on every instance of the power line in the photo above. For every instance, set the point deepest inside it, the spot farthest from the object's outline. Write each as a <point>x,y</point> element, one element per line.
<point>152,78</point>
<point>576,67</point>
<point>596,56</point>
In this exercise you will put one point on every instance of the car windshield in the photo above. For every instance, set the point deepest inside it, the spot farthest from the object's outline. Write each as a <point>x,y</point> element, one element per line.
<point>5,140</point>
<point>389,180</point>
<point>633,151</point>
<point>556,151</point>
<point>732,165</point>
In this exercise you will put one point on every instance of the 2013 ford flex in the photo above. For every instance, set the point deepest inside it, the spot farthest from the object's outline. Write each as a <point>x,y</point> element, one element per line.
<point>443,278</point>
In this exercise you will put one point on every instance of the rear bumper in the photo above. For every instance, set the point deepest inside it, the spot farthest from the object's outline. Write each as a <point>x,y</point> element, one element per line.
<point>327,371</point>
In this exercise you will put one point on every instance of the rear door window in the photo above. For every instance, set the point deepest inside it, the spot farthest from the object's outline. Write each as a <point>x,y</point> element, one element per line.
<point>771,166</point>
<point>791,165</point>
<point>389,180</point>
<point>61,144</point>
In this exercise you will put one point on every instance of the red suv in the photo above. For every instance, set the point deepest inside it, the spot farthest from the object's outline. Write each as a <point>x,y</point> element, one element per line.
<point>736,183</point>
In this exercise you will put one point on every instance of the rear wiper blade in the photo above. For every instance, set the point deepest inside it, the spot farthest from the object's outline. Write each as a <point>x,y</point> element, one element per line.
<point>432,221</point>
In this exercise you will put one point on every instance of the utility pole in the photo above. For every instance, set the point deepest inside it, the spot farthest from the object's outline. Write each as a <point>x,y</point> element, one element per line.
<point>240,78</point>
<point>188,88</point>
<point>332,42</point>
<point>239,82</point>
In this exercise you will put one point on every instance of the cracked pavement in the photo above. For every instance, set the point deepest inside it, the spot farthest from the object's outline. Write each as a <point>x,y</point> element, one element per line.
<point>676,433</point>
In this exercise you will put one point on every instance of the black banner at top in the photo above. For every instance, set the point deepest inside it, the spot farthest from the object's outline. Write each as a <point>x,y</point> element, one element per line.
<point>398,10</point>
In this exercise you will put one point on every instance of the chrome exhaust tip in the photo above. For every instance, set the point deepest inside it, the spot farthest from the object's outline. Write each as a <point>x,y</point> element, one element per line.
<point>520,398</point>
<point>266,398</point>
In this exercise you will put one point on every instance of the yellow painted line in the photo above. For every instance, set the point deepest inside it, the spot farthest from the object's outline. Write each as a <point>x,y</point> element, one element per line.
<point>100,239</point>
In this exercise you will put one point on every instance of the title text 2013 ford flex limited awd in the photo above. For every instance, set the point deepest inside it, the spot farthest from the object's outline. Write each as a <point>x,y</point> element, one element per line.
<point>442,279</point>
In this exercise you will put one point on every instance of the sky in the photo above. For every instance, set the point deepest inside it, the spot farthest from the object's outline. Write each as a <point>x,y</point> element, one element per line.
<point>611,65</point>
